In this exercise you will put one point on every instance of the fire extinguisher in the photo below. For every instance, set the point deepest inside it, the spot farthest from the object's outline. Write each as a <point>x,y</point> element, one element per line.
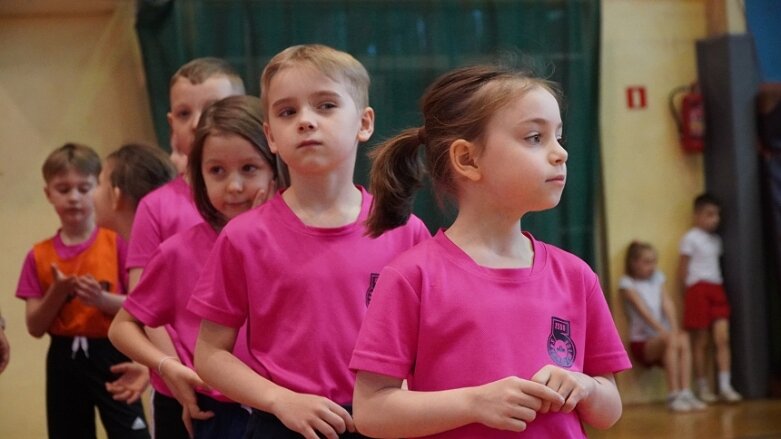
<point>691,117</point>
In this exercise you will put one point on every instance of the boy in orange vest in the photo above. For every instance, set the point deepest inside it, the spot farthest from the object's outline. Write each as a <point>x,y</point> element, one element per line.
<point>73,284</point>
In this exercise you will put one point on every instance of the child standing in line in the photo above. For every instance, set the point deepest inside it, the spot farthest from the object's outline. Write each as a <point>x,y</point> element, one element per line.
<point>655,336</point>
<point>706,309</point>
<point>493,329</point>
<point>72,284</point>
<point>170,209</point>
<point>300,268</point>
<point>127,175</point>
<point>231,170</point>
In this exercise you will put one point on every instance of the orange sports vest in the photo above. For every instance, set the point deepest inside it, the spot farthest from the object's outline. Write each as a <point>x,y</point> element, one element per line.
<point>101,261</point>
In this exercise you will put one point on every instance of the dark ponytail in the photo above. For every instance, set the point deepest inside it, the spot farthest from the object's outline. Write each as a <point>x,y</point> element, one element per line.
<point>397,172</point>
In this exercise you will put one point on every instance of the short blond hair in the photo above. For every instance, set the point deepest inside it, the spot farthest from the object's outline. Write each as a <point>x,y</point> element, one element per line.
<point>337,65</point>
<point>199,70</point>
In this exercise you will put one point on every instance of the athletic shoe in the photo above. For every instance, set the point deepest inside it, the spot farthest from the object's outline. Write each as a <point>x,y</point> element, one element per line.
<point>707,396</point>
<point>729,395</point>
<point>695,403</point>
<point>679,404</point>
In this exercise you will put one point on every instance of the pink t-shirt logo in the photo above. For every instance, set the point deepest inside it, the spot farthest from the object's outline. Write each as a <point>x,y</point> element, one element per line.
<point>372,282</point>
<point>561,349</point>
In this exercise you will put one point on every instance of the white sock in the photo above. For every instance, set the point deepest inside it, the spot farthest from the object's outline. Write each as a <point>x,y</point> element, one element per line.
<point>724,380</point>
<point>702,384</point>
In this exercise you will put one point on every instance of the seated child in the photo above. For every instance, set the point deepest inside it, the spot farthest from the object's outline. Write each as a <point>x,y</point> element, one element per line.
<point>656,338</point>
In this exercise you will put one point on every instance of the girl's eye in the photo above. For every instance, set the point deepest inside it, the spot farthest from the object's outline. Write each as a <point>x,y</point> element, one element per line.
<point>249,168</point>
<point>562,141</point>
<point>215,170</point>
<point>285,112</point>
<point>534,138</point>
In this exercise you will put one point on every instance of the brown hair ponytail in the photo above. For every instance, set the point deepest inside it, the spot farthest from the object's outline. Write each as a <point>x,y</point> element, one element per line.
<point>397,172</point>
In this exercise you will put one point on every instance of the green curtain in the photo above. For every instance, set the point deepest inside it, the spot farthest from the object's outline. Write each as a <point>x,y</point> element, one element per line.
<point>404,46</point>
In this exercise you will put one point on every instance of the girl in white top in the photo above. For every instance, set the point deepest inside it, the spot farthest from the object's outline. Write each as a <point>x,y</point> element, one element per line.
<point>655,336</point>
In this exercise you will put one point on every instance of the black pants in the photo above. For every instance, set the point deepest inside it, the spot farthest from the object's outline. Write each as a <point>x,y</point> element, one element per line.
<point>167,413</point>
<point>229,421</point>
<point>263,425</point>
<point>76,376</point>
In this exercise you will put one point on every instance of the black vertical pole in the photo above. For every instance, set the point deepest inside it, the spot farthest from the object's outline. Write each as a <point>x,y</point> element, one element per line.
<point>729,80</point>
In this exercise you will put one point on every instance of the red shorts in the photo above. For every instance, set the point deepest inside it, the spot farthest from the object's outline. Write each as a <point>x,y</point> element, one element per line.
<point>638,351</point>
<point>704,303</point>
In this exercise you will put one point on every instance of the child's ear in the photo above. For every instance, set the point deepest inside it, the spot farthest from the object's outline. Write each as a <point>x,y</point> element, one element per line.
<point>272,145</point>
<point>47,192</point>
<point>462,156</point>
<point>367,125</point>
<point>118,199</point>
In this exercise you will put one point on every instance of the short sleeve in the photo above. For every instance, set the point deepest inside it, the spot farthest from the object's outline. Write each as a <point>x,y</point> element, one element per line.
<point>626,283</point>
<point>145,236</point>
<point>29,285</point>
<point>605,352</point>
<point>220,294</point>
<point>686,246</point>
<point>152,301</point>
<point>388,338</point>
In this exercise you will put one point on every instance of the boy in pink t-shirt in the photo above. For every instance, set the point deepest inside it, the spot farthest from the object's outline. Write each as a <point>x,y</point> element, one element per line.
<point>299,269</point>
<point>170,209</point>
<point>495,332</point>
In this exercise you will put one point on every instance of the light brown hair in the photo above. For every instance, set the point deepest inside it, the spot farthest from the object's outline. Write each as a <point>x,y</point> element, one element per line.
<point>458,105</point>
<point>239,115</point>
<point>76,156</point>
<point>335,64</point>
<point>635,250</point>
<point>139,169</point>
<point>199,70</point>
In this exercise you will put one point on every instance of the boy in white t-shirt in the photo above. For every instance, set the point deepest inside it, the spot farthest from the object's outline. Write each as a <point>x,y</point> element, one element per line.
<point>706,309</point>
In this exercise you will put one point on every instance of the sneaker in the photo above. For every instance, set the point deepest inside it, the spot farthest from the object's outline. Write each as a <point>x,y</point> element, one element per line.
<point>695,403</point>
<point>728,394</point>
<point>705,395</point>
<point>679,404</point>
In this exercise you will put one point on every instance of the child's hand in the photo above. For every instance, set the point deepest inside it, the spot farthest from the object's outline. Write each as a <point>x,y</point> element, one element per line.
<point>132,381</point>
<point>309,415</point>
<point>264,195</point>
<point>182,381</point>
<point>89,291</point>
<point>573,387</point>
<point>511,403</point>
<point>62,284</point>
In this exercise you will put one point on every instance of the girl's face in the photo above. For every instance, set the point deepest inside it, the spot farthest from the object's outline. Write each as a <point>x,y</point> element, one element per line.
<point>524,164</point>
<point>104,197</point>
<point>644,264</point>
<point>234,173</point>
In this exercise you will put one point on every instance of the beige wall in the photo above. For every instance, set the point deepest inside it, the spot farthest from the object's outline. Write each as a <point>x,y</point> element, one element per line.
<point>67,73</point>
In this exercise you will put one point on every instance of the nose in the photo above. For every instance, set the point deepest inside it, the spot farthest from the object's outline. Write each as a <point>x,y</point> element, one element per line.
<point>194,120</point>
<point>306,120</point>
<point>559,154</point>
<point>236,184</point>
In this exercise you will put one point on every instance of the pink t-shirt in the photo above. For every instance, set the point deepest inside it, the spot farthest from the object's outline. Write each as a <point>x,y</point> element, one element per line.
<point>30,286</point>
<point>304,291</point>
<point>444,322</point>
<point>161,214</point>
<point>161,297</point>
